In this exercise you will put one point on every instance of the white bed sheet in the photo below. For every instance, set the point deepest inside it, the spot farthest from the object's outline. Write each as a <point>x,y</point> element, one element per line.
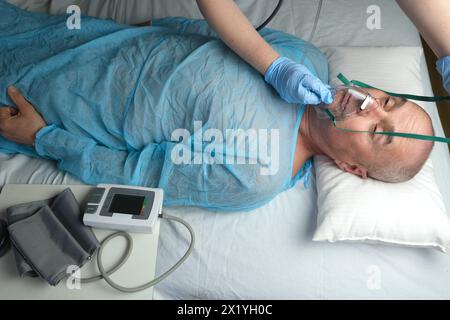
<point>268,253</point>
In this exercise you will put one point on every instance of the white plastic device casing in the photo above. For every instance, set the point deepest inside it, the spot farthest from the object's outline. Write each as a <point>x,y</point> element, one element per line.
<point>119,221</point>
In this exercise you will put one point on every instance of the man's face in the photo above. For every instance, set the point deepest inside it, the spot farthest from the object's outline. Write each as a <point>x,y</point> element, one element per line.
<point>392,114</point>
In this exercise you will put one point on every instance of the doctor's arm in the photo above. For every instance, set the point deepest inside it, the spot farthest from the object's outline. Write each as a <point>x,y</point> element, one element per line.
<point>233,27</point>
<point>432,19</point>
<point>293,81</point>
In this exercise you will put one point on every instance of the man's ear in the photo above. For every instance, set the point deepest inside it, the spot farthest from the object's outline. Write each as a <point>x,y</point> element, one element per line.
<point>355,169</point>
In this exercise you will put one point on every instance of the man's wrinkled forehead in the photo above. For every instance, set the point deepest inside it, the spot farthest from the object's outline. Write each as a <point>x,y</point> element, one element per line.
<point>407,118</point>
<point>405,114</point>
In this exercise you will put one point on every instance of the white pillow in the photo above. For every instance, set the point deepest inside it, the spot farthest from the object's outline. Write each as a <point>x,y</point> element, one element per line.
<point>352,209</point>
<point>390,68</point>
<point>410,213</point>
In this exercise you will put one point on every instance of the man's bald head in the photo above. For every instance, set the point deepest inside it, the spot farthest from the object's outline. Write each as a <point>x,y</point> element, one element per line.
<point>404,164</point>
<point>381,157</point>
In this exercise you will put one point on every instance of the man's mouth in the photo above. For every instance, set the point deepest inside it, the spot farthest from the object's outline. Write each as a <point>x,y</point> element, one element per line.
<point>340,105</point>
<point>345,101</point>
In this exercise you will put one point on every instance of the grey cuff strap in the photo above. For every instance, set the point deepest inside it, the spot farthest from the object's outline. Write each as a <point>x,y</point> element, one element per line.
<point>4,238</point>
<point>48,236</point>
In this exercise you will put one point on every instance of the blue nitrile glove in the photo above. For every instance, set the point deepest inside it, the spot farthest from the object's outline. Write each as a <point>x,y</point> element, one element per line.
<point>296,84</point>
<point>443,66</point>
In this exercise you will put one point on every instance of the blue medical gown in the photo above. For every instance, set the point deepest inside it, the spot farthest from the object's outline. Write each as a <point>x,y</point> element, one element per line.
<point>112,95</point>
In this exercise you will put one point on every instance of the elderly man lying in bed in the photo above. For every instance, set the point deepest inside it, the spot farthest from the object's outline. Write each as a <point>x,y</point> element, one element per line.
<point>171,106</point>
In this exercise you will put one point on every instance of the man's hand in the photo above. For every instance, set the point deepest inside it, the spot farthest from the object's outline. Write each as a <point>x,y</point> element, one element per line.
<point>20,126</point>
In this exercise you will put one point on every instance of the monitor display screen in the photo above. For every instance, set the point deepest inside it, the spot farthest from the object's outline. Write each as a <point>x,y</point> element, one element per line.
<point>127,204</point>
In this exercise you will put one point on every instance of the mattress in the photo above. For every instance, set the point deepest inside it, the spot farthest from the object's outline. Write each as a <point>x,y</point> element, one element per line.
<point>268,253</point>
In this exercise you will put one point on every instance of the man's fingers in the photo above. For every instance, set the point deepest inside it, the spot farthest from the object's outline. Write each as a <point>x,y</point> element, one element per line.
<point>22,104</point>
<point>7,112</point>
<point>4,113</point>
<point>3,121</point>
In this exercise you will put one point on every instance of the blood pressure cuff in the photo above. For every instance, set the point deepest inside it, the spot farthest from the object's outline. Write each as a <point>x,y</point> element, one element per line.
<point>48,236</point>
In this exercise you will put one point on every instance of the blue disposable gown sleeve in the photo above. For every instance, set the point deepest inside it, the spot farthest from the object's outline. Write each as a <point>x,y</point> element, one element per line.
<point>94,163</point>
<point>220,187</point>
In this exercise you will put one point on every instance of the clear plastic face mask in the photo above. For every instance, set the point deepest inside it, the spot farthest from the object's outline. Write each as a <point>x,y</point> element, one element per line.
<point>351,99</point>
<point>348,101</point>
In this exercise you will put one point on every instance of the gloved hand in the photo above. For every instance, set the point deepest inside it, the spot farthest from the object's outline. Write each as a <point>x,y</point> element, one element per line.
<point>443,66</point>
<point>296,84</point>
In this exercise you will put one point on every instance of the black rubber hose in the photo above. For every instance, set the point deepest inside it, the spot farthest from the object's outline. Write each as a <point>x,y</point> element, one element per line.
<point>274,13</point>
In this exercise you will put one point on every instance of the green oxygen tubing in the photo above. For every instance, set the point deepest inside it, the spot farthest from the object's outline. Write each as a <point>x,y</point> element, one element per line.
<point>360,84</point>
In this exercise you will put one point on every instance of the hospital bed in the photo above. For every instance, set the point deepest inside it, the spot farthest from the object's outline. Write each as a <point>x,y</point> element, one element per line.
<point>268,253</point>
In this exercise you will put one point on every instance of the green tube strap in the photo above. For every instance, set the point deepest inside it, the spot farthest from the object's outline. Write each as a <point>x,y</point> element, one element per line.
<point>345,81</point>
<point>393,94</point>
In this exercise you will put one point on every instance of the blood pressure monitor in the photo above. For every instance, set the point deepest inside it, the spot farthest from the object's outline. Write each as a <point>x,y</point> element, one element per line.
<point>126,208</point>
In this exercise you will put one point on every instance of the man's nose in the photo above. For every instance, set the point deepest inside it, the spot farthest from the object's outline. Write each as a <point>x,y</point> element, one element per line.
<point>372,108</point>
